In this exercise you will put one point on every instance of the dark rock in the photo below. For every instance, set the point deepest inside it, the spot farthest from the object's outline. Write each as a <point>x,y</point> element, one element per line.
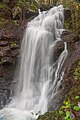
<point>10,39</point>
<point>6,78</point>
<point>67,14</point>
<point>73,41</point>
<point>5,51</point>
<point>70,37</point>
<point>3,43</point>
<point>58,48</point>
<point>6,13</point>
<point>7,61</point>
<point>10,3</point>
<point>15,52</point>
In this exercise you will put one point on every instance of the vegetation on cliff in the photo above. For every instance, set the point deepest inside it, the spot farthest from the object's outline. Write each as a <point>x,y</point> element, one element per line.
<point>20,9</point>
<point>70,110</point>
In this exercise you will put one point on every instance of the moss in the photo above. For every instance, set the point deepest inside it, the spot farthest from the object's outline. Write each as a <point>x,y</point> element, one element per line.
<point>53,115</point>
<point>2,5</point>
<point>13,44</point>
<point>1,61</point>
<point>4,22</point>
<point>76,71</point>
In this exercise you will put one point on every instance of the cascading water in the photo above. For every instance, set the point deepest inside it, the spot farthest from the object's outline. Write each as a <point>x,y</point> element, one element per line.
<point>39,78</point>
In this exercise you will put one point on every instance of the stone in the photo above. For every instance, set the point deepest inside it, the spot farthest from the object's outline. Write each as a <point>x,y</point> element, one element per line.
<point>7,61</point>
<point>67,14</point>
<point>3,43</point>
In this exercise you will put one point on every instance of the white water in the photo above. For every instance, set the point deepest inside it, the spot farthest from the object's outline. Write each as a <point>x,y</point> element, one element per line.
<point>39,79</point>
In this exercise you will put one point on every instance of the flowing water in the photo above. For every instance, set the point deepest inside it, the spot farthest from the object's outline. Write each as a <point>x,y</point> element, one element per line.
<point>39,78</point>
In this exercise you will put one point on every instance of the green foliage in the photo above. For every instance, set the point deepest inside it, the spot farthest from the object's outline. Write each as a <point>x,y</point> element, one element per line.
<point>77,71</point>
<point>77,97</point>
<point>70,106</point>
<point>66,105</point>
<point>3,22</point>
<point>76,108</point>
<point>22,3</point>
<point>67,115</point>
<point>2,5</point>
<point>33,4</point>
<point>1,61</point>
<point>74,22</point>
<point>13,44</point>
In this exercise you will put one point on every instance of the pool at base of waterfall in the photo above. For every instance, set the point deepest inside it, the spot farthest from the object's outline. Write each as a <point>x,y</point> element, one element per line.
<point>15,114</point>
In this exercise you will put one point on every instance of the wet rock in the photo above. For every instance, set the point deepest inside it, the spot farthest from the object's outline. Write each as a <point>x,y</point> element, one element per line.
<point>15,53</point>
<point>73,41</point>
<point>58,48</point>
<point>70,37</point>
<point>6,78</point>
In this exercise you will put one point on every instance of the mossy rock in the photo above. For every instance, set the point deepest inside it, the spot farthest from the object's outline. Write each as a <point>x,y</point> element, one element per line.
<point>75,90</point>
<point>2,5</point>
<point>76,72</point>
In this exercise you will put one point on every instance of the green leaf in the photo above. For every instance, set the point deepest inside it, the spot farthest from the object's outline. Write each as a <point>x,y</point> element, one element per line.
<point>76,108</point>
<point>67,113</point>
<point>77,97</point>
<point>65,107</point>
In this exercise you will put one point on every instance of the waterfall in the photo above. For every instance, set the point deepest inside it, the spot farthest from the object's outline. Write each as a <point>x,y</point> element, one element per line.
<point>39,78</point>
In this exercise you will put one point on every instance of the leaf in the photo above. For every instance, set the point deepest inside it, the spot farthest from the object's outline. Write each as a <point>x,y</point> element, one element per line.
<point>77,97</point>
<point>76,108</point>
<point>65,107</point>
<point>67,115</point>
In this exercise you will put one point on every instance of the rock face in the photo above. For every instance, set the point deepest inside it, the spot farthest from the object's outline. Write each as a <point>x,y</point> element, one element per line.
<point>10,40</point>
<point>67,13</point>
<point>73,44</point>
<point>73,41</point>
